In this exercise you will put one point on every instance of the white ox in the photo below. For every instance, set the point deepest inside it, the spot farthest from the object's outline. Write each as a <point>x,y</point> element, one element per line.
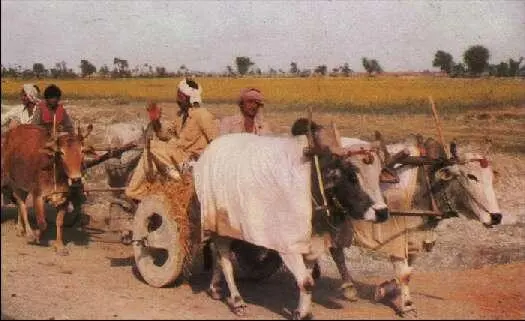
<point>258,189</point>
<point>119,169</point>
<point>463,186</point>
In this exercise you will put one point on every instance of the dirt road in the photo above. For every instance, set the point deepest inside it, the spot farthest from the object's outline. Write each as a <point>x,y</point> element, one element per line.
<point>96,282</point>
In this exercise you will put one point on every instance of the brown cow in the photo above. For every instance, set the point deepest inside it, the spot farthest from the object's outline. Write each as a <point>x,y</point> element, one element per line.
<point>48,168</point>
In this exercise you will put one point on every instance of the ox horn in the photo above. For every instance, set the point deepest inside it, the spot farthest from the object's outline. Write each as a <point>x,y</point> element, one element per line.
<point>488,146</point>
<point>382,147</point>
<point>309,132</point>
<point>89,129</point>
<point>337,135</point>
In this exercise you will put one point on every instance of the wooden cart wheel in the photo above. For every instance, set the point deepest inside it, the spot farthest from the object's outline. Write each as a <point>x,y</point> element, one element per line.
<point>157,248</point>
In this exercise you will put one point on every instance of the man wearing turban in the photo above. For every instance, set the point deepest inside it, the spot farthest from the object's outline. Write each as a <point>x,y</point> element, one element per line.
<point>22,114</point>
<point>178,142</point>
<point>250,118</point>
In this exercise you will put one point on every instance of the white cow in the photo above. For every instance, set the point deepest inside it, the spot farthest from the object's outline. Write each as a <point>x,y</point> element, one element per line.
<point>258,189</point>
<point>463,185</point>
<point>119,169</point>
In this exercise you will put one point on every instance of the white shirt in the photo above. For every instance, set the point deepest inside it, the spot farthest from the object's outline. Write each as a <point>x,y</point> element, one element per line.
<point>18,113</point>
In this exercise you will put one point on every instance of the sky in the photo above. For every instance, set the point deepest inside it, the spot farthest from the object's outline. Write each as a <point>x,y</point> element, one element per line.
<point>208,35</point>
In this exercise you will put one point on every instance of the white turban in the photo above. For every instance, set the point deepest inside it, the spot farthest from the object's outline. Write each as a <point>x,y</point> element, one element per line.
<point>31,92</point>
<point>194,94</point>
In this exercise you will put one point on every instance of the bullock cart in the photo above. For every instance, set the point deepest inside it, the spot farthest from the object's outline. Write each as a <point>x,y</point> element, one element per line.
<point>165,230</point>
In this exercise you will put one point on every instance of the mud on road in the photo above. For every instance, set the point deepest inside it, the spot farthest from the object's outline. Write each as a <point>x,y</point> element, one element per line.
<point>96,282</point>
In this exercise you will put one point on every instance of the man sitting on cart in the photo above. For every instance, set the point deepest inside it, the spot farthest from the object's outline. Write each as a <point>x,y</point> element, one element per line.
<point>176,144</point>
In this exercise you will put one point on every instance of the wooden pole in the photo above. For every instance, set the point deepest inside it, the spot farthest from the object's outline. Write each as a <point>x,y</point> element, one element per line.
<point>415,212</point>
<point>438,126</point>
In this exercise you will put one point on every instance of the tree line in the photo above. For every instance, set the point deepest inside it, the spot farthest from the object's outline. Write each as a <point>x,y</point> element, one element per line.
<point>475,63</point>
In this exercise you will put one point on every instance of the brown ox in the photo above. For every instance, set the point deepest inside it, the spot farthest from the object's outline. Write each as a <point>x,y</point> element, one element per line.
<point>48,168</point>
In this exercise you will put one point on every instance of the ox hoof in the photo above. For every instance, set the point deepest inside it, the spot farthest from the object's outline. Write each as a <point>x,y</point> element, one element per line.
<point>31,238</point>
<point>60,249</point>
<point>387,290</point>
<point>20,232</point>
<point>349,292</point>
<point>214,294</point>
<point>296,315</point>
<point>238,306</point>
<point>62,252</point>
<point>408,311</point>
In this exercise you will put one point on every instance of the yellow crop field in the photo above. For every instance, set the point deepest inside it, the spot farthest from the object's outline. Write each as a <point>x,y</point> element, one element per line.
<point>385,93</point>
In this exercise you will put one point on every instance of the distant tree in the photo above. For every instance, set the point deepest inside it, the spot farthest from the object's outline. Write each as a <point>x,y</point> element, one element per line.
<point>371,66</point>
<point>86,68</point>
<point>55,72</point>
<point>514,67</point>
<point>293,68</point>
<point>476,59</point>
<point>27,74</point>
<point>183,71</point>
<point>444,61</point>
<point>9,72</point>
<point>104,71</point>
<point>272,72</point>
<point>458,70</point>
<point>345,69</point>
<point>161,71</point>
<point>120,68</point>
<point>243,64</point>
<point>502,70</point>
<point>38,69</point>
<point>230,71</point>
<point>321,69</point>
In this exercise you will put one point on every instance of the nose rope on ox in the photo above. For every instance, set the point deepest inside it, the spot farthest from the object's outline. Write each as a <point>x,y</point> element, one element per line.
<point>473,198</point>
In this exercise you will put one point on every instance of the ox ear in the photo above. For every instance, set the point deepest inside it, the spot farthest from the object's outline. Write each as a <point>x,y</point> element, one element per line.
<point>49,149</point>
<point>388,176</point>
<point>487,148</point>
<point>88,150</point>
<point>445,174</point>
<point>86,133</point>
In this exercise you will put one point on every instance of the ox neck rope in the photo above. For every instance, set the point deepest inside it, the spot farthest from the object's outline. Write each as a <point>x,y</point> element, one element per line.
<point>443,185</point>
<point>324,207</point>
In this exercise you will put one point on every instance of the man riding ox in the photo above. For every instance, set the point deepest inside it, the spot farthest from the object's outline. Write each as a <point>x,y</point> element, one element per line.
<point>277,193</point>
<point>44,159</point>
<point>177,145</point>
<point>51,114</point>
<point>462,184</point>
<point>48,168</point>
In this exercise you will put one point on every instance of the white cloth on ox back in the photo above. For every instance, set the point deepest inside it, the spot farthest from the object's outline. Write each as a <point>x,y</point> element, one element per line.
<point>257,189</point>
